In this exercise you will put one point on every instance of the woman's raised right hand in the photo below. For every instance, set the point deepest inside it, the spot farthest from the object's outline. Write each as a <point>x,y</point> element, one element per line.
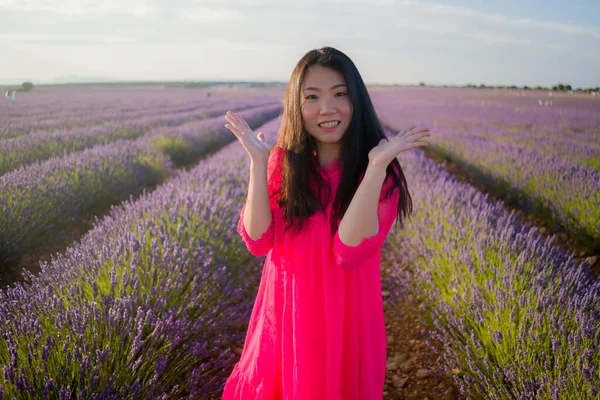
<point>255,145</point>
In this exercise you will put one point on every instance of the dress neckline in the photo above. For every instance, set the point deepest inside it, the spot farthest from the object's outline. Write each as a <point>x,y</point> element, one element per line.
<point>331,167</point>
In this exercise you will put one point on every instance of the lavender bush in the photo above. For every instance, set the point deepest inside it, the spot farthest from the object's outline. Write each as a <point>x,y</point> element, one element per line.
<point>28,117</point>
<point>186,143</point>
<point>545,159</point>
<point>24,150</point>
<point>516,315</point>
<point>66,119</point>
<point>52,109</point>
<point>41,199</point>
<point>45,197</point>
<point>143,305</point>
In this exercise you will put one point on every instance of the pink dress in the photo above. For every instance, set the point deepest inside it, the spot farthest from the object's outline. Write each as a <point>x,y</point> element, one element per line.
<point>317,329</point>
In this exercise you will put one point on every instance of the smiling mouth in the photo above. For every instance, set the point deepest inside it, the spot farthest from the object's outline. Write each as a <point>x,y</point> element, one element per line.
<point>329,124</point>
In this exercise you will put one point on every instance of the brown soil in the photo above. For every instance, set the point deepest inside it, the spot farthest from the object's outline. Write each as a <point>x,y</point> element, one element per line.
<point>414,370</point>
<point>12,272</point>
<point>56,242</point>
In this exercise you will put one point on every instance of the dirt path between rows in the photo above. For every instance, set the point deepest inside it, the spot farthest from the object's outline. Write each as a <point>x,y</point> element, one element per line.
<point>414,371</point>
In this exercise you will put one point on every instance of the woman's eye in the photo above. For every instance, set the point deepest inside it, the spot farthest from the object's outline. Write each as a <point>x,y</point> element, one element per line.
<point>340,94</point>
<point>311,97</point>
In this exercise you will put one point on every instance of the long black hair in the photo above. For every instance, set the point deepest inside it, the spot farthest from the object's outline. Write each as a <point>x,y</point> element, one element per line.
<point>364,133</point>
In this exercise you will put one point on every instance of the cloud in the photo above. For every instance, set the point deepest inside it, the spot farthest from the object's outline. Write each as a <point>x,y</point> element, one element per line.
<point>448,10</point>
<point>82,7</point>
<point>14,38</point>
<point>205,14</point>
<point>571,29</point>
<point>208,35</point>
<point>502,39</point>
<point>426,16</point>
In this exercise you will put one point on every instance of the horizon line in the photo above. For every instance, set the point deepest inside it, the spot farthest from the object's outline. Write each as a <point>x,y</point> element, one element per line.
<point>274,82</point>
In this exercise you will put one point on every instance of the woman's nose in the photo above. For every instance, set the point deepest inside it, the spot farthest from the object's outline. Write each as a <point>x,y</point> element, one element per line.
<point>327,107</point>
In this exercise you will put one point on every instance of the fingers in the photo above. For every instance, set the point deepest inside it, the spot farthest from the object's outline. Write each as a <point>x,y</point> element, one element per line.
<point>417,135</point>
<point>232,119</point>
<point>236,125</point>
<point>406,130</point>
<point>412,129</point>
<point>237,121</point>
<point>414,133</point>
<point>234,130</point>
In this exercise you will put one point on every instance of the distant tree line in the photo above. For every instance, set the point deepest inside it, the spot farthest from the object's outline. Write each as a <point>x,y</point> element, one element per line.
<point>560,87</point>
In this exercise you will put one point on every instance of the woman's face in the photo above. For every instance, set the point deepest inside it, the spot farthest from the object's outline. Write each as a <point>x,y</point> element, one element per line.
<point>326,105</point>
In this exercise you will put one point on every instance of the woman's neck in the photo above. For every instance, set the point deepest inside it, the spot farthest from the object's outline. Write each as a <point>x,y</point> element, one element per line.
<point>327,153</point>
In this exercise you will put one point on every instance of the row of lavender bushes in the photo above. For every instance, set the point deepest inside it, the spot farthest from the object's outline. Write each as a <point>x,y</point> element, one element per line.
<point>574,144</point>
<point>65,103</point>
<point>49,110</point>
<point>560,191</point>
<point>24,150</point>
<point>117,119</point>
<point>517,316</point>
<point>574,119</point>
<point>144,306</point>
<point>69,118</point>
<point>62,101</point>
<point>40,200</point>
<point>524,162</point>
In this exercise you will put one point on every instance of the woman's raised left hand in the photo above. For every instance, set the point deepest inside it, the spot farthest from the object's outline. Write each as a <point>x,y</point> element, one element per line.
<point>383,154</point>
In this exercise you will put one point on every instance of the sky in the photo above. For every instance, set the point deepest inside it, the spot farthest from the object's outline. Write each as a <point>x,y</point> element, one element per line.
<point>509,42</point>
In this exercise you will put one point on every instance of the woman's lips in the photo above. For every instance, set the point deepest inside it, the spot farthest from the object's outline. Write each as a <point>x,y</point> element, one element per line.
<point>329,124</point>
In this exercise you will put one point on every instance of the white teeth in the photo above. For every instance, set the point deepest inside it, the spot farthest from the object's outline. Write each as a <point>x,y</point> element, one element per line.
<point>329,124</point>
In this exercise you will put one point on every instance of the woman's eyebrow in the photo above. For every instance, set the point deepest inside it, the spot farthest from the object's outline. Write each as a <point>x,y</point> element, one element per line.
<point>333,87</point>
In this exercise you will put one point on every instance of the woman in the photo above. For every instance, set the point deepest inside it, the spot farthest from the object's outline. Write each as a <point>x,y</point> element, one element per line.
<point>320,206</point>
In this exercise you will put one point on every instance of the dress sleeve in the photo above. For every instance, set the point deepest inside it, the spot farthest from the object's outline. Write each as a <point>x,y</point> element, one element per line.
<point>260,246</point>
<point>264,244</point>
<point>349,257</point>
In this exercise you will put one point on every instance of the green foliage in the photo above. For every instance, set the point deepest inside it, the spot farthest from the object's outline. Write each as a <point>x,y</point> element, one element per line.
<point>26,86</point>
<point>561,87</point>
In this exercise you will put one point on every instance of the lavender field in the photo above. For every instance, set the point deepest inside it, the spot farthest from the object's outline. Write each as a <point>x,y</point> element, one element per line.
<point>516,316</point>
<point>537,149</point>
<point>54,180</point>
<point>149,302</point>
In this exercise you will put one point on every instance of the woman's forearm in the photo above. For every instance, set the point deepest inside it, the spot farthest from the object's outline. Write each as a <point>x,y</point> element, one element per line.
<point>360,220</point>
<point>257,214</point>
